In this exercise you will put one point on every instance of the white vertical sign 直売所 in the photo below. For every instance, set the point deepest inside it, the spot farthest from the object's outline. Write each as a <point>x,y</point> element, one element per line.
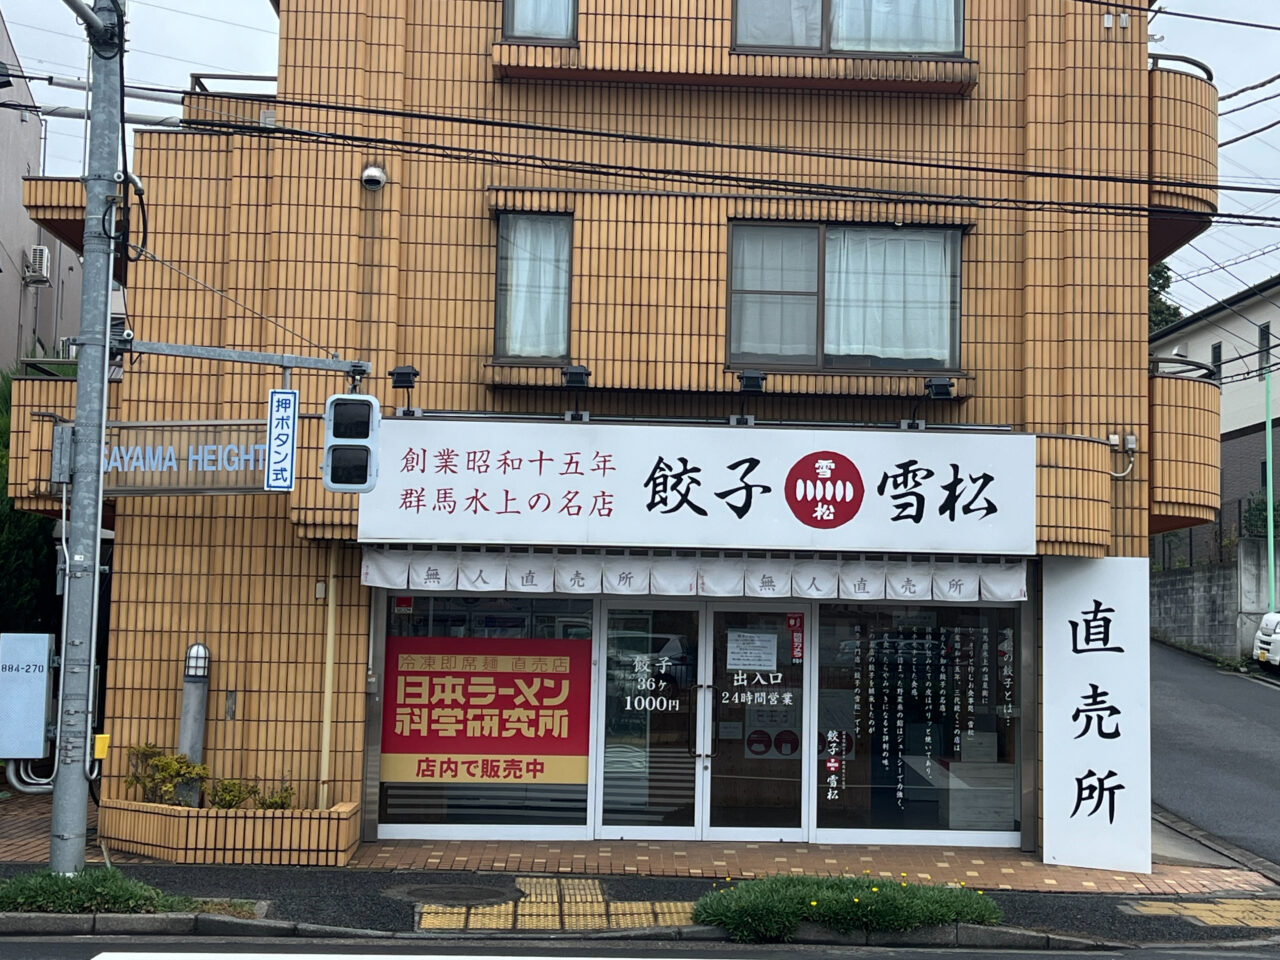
<point>1096,727</point>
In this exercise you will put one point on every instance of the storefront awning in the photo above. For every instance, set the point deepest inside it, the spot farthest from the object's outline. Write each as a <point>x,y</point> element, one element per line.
<point>711,576</point>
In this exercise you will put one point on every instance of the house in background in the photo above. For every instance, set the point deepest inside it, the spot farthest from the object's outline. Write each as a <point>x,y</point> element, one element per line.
<point>39,276</point>
<point>774,448</point>
<point>1222,565</point>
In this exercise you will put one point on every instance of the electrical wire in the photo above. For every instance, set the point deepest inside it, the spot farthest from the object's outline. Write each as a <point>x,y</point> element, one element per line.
<point>201,16</point>
<point>1186,16</point>
<point>1253,86</point>
<point>1216,266</point>
<point>808,188</point>
<point>147,254</point>
<point>1251,133</point>
<point>1246,106</point>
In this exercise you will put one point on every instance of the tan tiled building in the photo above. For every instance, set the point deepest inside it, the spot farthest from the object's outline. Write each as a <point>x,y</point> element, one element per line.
<point>834,544</point>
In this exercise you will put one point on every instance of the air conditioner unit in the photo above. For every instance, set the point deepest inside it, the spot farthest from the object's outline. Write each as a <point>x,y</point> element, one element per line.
<point>35,267</point>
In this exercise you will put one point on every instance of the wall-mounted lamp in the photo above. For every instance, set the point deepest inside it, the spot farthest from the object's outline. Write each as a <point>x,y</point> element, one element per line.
<point>404,378</point>
<point>751,381</point>
<point>196,664</point>
<point>939,388</point>
<point>575,376</point>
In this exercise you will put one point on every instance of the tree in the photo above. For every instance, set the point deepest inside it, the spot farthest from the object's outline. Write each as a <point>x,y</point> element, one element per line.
<point>1160,312</point>
<point>28,569</point>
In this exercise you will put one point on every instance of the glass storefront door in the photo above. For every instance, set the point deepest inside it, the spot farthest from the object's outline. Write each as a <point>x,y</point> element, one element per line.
<point>703,722</point>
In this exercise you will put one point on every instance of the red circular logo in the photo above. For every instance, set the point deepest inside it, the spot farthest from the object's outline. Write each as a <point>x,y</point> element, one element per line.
<point>824,490</point>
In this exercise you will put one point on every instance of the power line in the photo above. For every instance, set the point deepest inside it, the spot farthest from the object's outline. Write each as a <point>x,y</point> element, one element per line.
<point>201,16</point>
<point>1216,266</point>
<point>1251,103</point>
<point>1252,86</point>
<point>808,189</point>
<point>657,139</point>
<point>1251,133</point>
<point>147,53</point>
<point>1186,16</point>
<point>141,252</point>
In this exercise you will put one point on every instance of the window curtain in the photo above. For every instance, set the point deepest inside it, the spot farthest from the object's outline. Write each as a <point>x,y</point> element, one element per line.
<point>780,23</point>
<point>889,293</point>
<point>775,284</point>
<point>894,26</point>
<point>533,292</point>
<point>550,19</point>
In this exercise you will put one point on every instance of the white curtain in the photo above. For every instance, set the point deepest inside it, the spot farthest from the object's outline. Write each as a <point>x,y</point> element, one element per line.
<point>775,279</point>
<point>533,294</point>
<point>548,19</point>
<point>894,26</point>
<point>779,23</point>
<point>889,293</point>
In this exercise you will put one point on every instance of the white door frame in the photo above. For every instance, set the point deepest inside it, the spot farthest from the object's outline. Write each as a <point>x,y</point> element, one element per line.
<point>703,710</point>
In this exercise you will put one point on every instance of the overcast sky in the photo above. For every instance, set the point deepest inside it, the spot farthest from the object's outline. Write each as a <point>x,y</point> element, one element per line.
<point>171,39</point>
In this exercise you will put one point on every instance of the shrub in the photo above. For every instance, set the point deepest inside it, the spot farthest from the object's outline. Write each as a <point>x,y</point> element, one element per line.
<point>229,794</point>
<point>768,910</point>
<point>278,799</point>
<point>89,891</point>
<point>160,774</point>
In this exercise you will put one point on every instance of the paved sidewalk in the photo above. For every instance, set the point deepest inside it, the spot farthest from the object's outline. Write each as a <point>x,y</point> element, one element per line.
<point>24,833</point>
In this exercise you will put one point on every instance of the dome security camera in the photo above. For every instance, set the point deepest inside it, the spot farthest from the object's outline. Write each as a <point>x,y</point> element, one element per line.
<point>373,179</point>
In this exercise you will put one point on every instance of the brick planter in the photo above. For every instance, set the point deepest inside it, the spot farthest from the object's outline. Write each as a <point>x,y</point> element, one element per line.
<point>325,838</point>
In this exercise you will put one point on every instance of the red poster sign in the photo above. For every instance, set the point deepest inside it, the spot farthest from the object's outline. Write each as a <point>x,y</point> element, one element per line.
<point>795,625</point>
<point>486,710</point>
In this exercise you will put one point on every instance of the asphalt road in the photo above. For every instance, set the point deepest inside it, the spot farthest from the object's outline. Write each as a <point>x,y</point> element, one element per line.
<point>1215,750</point>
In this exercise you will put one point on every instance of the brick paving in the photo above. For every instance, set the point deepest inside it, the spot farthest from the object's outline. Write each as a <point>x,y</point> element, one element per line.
<point>24,838</point>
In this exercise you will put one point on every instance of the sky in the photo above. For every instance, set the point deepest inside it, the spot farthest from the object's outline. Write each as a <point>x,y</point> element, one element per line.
<point>171,39</point>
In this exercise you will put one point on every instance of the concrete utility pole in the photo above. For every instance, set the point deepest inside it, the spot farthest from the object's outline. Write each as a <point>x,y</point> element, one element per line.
<point>70,784</point>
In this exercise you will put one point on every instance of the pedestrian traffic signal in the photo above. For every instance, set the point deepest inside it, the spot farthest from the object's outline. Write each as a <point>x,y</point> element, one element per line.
<point>351,443</point>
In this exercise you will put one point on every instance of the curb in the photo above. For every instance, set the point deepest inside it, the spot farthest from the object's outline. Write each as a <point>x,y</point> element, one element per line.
<point>1246,859</point>
<point>217,925</point>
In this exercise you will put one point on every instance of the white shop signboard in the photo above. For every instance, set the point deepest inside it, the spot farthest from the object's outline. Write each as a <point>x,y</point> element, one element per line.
<point>1097,713</point>
<point>577,484</point>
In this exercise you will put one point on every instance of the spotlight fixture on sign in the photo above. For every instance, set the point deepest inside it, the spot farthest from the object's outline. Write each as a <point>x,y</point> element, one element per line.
<point>575,378</point>
<point>405,378</point>
<point>749,381</point>
<point>935,388</point>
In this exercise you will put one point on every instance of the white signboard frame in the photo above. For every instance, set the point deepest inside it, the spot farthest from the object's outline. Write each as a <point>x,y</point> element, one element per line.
<point>492,481</point>
<point>26,688</point>
<point>1096,721</point>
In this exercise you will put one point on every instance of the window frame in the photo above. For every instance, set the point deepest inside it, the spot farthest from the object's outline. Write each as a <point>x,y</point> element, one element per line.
<point>500,357</point>
<point>824,50</point>
<point>508,34</point>
<point>819,364</point>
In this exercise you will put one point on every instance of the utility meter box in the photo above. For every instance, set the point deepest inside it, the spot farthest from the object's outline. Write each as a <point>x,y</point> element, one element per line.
<point>26,691</point>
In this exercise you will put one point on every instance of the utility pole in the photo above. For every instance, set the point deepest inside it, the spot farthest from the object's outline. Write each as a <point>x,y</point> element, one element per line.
<point>71,784</point>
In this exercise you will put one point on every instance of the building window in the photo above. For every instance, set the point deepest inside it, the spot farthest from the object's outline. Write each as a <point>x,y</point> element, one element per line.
<point>533,286</point>
<point>1215,360</point>
<point>851,26</point>
<point>539,20</point>
<point>843,297</point>
<point>1264,349</point>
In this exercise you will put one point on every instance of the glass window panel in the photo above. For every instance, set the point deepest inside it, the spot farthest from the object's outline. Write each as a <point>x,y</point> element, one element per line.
<point>775,259</point>
<point>543,19</point>
<point>768,327</point>
<point>895,26</point>
<point>650,716</point>
<point>453,794</point>
<point>890,296</point>
<point>917,724</point>
<point>533,285</point>
<point>779,23</point>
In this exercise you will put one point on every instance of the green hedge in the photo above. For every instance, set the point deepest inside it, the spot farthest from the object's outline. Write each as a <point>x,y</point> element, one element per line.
<point>769,910</point>
<point>89,891</point>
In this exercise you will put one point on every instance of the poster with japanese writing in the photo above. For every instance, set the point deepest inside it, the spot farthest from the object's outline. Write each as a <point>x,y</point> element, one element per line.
<point>501,482</point>
<point>1096,713</point>
<point>485,710</point>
